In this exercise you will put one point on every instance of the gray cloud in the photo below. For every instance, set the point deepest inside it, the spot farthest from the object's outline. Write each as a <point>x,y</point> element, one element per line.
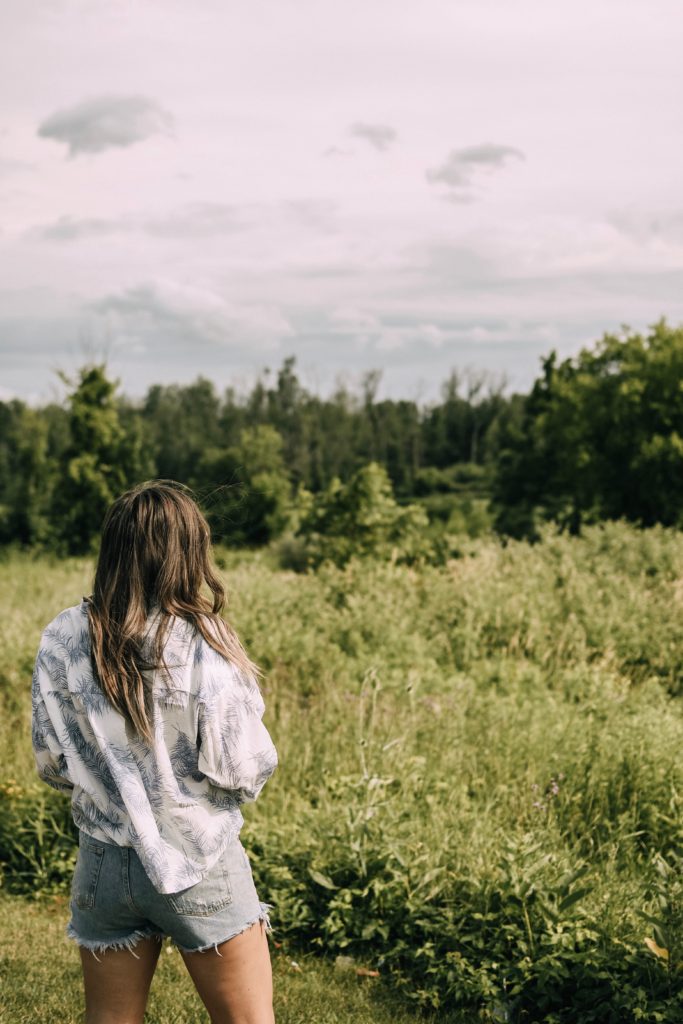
<point>462,167</point>
<point>144,313</point>
<point>153,313</point>
<point>106,122</point>
<point>314,213</point>
<point>378,135</point>
<point>645,225</point>
<point>193,220</point>
<point>196,220</point>
<point>69,229</point>
<point>9,166</point>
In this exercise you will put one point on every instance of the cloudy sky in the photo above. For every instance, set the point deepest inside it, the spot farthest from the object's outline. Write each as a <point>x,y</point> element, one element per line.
<point>208,186</point>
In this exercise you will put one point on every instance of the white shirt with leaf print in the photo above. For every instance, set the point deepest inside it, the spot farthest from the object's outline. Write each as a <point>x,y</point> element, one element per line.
<point>177,804</point>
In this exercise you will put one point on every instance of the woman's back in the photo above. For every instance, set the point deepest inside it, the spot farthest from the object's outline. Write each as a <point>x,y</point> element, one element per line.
<point>174,801</point>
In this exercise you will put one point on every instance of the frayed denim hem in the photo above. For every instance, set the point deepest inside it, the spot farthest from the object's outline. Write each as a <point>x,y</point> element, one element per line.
<point>101,947</point>
<point>262,916</point>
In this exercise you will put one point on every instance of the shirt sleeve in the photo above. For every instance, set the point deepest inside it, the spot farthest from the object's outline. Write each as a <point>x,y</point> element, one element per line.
<point>49,757</point>
<point>236,752</point>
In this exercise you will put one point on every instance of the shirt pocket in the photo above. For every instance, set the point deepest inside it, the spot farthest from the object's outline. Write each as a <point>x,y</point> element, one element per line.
<point>87,874</point>
<point>205,897</point>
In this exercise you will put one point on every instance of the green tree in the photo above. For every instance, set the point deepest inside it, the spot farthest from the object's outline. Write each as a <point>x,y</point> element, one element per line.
<point>100,461</point>
<point>180,422</point>
<point>600,436</point>
<point>455,429</point>
<point>246,488</point>
<point>25,475</point>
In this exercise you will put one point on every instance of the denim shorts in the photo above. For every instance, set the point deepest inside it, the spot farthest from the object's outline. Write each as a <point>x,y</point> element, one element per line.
<point>114,905</point>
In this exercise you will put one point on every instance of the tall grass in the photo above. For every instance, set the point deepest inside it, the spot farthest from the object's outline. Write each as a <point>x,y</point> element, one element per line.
<point>480,790</point>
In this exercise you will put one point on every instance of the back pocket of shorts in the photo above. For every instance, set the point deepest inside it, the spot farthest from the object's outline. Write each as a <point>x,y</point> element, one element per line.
<point>204,897</point>
<point>86,875</point>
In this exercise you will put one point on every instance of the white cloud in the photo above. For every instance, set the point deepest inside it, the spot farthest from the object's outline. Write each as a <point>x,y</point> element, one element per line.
<point>387,331</point>
<point>163,312</point>
<point>106,122</point>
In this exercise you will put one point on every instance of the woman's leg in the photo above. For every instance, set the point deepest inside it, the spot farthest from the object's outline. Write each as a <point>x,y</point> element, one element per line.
<point>117,984</point>
<point>237,986</point>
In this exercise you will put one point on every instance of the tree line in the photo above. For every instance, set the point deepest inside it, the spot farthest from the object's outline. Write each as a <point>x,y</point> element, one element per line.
<point>599,435</point>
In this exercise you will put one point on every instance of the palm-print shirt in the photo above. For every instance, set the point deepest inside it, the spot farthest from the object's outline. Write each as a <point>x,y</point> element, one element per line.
<point>176,803</point>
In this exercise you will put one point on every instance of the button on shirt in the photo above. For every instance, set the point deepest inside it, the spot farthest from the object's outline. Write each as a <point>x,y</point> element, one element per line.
<point>176,803</point>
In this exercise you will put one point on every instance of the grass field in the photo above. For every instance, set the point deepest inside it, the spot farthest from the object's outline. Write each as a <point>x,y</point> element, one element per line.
<point>480,788</point>
<point>40,975</point>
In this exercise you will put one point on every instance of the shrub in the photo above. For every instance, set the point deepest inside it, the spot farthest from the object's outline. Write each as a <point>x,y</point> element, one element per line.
<point>361,518</point>
<point>38,839</point>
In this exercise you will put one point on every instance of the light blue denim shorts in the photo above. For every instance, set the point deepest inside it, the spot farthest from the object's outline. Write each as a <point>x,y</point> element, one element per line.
<point>114,905</point>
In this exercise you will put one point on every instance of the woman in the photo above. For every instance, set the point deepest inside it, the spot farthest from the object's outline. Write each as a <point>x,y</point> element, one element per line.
<point>147,710</point>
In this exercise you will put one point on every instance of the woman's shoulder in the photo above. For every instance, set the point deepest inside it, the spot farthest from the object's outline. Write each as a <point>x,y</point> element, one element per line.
<point>73,618</point>
<point>67,633</point>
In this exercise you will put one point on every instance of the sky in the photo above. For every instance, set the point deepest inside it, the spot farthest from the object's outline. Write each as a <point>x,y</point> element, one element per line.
<point>207,187</point>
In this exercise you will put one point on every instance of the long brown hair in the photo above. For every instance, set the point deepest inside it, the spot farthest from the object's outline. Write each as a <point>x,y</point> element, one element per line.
<point>155,555</point>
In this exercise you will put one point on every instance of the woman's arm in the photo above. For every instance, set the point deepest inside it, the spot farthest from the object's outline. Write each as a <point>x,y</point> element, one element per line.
<point>235,749</point>
<point>48,674</point>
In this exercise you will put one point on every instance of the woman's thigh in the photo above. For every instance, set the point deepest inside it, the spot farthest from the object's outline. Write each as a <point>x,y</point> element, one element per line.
<point>117,983</point>
<point>236,986</point>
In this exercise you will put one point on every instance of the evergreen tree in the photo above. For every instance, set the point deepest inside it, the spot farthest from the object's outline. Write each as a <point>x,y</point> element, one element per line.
<point>100,462</point>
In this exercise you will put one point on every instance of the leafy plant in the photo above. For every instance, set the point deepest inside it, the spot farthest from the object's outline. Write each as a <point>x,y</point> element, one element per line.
<point>362,518</point>
<point>38,840</point>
